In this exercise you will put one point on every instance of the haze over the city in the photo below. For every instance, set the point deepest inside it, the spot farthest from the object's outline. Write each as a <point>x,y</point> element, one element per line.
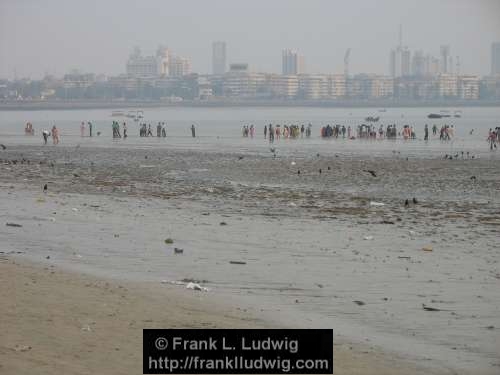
<point>56,36</point>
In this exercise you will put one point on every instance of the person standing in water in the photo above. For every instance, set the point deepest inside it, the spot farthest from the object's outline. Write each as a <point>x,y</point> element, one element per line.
<point>426,133</point>
<point>124,130</point>
<point>45,135</point>
<point>90,128</point>
<point>82,129</point>
<point>55,135</point>
<point>265,131</point>
<point>193,131</point>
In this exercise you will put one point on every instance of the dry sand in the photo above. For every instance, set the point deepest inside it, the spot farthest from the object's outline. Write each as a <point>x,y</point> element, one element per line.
<point>54,322</point>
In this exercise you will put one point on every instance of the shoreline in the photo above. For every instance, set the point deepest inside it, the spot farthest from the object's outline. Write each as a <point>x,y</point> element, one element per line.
<point>100,218</point>
<point>97,104</point>
<point>57,321</point>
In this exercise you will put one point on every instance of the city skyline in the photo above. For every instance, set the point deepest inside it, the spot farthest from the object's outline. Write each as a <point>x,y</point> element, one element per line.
<point>322,31</point>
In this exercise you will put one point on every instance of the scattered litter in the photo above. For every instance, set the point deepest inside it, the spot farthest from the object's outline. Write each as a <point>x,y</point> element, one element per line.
<point>169,241</point>
<point>86,328</point>
<point>403,257</point>
<point>41,200</point>
<point>22,348</point>
<point>291,204</point>
<point>237,262</point>
<point>319,285</point>
<point>178,251</point>
<point>427,248</point>
<point>413,233</point>
<point>173,282</point>
<point>116,235</point>
<point>359,303</point>
<point>74,209</point>
<point>368,238</point>
<point>428,308</point>
<point>387,222</point>
<point>13,225</point>
<point>377,204</point>
<point>195,286</point>
<point>293,163</point>
<point>47,257</point>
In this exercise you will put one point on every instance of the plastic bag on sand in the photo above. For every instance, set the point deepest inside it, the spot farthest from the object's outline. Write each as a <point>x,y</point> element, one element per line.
<point>195,286</point>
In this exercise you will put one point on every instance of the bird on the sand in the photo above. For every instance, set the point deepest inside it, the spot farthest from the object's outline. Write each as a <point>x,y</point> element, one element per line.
<point>45,188</point>
<point>298,172</point>
<point>371,172</point>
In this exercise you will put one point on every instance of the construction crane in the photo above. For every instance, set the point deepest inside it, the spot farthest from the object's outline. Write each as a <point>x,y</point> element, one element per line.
<point>346,62</point>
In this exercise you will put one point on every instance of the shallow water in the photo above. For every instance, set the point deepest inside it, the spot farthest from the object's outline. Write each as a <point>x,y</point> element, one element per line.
<point>220,129</point>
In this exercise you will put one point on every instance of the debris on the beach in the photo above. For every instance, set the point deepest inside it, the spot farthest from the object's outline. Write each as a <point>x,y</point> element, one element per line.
<point>205,213</point>
<point>195,286</point>
<point>490,327</point>
<point>237,262</point>
<point>173,282</point>
<point>370,172</point>
<point>428,308</point>
<point>368,238</point>
<point>74,209</point>
<point>86,328</point>
<point>404,257</point>
<point>76,175</point>
<point>41,200</point>
<point>45,188</point>
<point>47,257</point>
<point>169,241</point>
<point>387,222</point>
<point>412,233</point>
<point>376,204</point>
<point>240,157</point>
<point>319,285</point>
<point>178,251</point>
<point>222,223</point>
<point>427,248</point>
<point>13,225</point>
<point>293,163</point>
<point>116,235</point>
<point>359,303</point>
<point>3,146</point>
<point>22,348</point>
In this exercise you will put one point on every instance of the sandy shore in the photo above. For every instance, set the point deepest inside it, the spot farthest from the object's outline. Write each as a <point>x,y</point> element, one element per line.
<point>54,322</point>
<point>312,245</point>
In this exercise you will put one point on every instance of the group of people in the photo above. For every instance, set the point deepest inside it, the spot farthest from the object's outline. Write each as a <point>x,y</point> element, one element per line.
<point>248,131</point>
<point>54,133</point>
<point>116,130</point>
<point>288,131</point>
<point>82,129</point>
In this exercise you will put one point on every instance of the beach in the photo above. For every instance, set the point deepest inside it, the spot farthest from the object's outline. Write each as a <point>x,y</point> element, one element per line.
<point>413,286</point>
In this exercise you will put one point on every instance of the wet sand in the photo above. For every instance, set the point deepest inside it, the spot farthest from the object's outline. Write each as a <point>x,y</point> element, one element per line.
<point>312,243</point>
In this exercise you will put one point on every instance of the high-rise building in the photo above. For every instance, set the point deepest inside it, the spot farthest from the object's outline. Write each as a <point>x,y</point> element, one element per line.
<point>495,58</point>
<point>218,58</point>
<point>179,66</point>
<point>445,59</point>
<point>418,64</point>
<point>292,62</point>
<point>399,59</point>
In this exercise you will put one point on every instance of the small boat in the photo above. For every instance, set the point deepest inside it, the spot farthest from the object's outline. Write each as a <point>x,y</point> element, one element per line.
<point>136,115</point>
<point>434,115</point>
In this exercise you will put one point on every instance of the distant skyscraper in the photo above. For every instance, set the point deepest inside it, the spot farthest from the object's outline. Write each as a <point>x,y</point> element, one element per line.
<point>418,64</point>
<point>292,62</point>
<point>495,58</point>
<point>445,59</point>
<point>219,57</point>
<point>399,60</point>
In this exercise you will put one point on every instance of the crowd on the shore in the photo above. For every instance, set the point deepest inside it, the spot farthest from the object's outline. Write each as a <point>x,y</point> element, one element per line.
<point>287,131</point>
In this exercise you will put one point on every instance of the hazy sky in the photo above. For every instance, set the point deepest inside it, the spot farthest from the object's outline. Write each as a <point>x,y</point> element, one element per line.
<point>55,36</point>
